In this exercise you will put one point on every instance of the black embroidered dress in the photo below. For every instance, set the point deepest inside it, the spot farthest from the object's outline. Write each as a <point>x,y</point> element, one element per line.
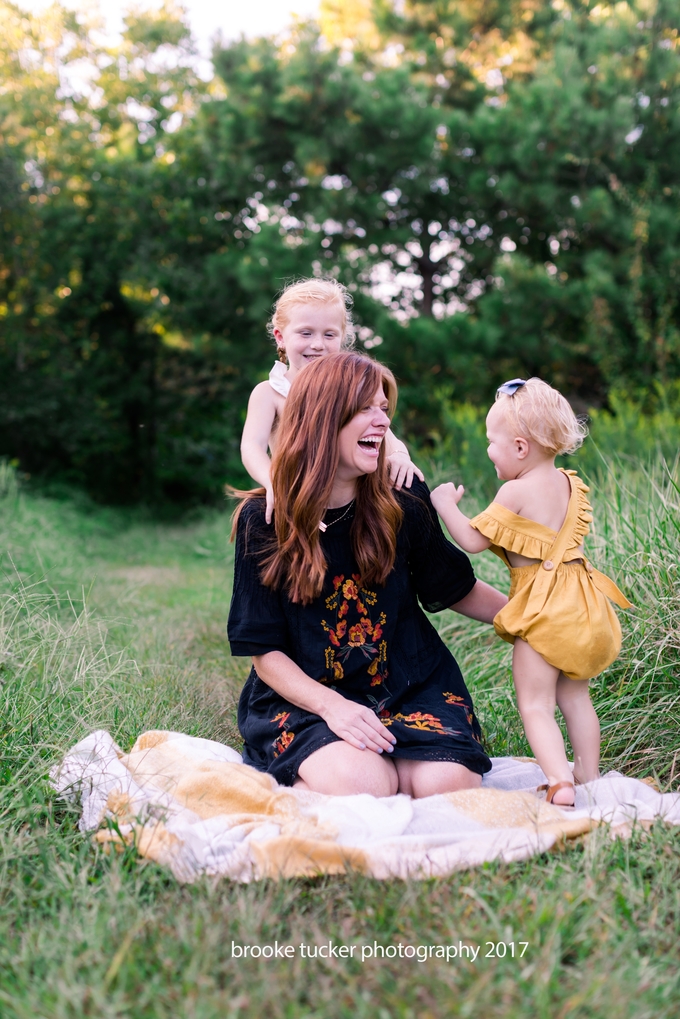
<point>373,645</point>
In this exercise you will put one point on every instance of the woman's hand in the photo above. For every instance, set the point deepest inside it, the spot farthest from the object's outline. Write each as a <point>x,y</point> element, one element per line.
<point>357,725</point>
<point>401,469</point>
<point>354,723</point>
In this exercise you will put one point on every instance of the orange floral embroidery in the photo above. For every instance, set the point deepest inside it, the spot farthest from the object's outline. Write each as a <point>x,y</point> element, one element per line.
<point>417,720</point>
<point>364,634</point>
<point>452,698</point>
<point>356,635</point>
<point>281,718</point>
<point>283,742</point>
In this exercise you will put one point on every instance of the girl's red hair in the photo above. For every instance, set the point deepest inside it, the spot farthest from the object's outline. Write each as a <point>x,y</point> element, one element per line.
<point>322,400</point>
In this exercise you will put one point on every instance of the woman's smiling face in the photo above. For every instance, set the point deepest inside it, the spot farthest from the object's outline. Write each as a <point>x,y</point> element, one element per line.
<point>360,440</point>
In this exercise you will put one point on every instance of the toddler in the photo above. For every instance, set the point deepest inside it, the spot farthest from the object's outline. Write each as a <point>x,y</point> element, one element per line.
<point>311,319</point>
<point>558,616</point>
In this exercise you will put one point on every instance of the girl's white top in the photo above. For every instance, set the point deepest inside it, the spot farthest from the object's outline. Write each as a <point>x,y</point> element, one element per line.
<point>278,379</point>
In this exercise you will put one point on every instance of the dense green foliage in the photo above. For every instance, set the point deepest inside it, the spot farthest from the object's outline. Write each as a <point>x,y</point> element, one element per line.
<point>495,182</point>
<point>109,620</point>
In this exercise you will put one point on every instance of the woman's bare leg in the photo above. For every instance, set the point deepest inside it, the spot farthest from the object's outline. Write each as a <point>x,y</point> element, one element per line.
<point>427,778</point>
<point>536,688</point>
<point>583,726</point>
<point>341,770</point>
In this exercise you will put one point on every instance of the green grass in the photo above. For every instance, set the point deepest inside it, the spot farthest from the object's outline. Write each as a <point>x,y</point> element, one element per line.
<point>112,620</point>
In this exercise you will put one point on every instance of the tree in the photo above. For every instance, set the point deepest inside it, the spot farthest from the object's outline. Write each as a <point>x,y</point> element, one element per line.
<point>86,373</point>
<point>501,177</point>
<point>493,179</point>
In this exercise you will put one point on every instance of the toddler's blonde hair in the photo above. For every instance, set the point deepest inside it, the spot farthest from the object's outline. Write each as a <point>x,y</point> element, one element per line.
<point>325,290</point>
<point>539,412</point>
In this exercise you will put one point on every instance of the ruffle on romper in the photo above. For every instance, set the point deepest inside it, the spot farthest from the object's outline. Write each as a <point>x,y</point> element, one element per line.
<point>509,532</point>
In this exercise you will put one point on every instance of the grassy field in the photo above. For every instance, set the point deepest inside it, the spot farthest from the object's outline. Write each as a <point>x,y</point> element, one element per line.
<point>110,620</point>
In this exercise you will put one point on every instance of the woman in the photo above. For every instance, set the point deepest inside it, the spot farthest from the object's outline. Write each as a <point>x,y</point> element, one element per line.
<point>352,690</point>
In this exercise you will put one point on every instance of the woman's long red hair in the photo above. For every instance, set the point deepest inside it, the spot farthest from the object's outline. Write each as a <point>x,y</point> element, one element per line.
<point>322,400</point>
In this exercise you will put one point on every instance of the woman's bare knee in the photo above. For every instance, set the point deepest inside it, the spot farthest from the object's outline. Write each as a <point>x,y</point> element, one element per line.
<point>429,778</point>
<point>339,769</point>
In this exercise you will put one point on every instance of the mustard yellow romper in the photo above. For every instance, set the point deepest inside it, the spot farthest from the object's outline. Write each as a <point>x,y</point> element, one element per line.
<point>560,607</point>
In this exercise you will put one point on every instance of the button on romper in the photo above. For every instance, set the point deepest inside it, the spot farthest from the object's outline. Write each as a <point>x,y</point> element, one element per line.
<point>560,607</point>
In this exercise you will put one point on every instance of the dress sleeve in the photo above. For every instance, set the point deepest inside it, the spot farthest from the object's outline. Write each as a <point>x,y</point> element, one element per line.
<point>257,620</point>
<point>442,574</point>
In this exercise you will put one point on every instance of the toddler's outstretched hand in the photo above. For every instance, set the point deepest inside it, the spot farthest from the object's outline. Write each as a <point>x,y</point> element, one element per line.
<point>445,500</point>
<point>401,469</point>
<point>446,493</point>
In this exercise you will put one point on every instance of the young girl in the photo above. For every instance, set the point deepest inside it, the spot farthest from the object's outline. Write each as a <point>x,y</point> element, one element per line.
<point>559,618</point>
<point>311,319</point>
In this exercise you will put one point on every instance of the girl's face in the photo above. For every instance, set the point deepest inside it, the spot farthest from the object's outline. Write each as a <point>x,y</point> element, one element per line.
<point>312,331</point>
<point>359,441</point>
<point>506,450</point>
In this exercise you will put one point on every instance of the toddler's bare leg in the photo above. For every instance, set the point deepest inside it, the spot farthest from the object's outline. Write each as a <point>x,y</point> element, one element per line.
<point>573,700</point>
<point>536,686</point>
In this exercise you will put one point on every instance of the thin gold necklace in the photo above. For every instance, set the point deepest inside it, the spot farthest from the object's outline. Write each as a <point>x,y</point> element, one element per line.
<point>324,527</point>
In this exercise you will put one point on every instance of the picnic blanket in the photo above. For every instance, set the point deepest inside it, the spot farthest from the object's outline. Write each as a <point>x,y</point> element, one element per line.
<point>191,805</point>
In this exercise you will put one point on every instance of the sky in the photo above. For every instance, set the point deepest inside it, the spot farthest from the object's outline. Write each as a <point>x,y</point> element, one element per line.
<point>231,17</point>
<point>207,17</point>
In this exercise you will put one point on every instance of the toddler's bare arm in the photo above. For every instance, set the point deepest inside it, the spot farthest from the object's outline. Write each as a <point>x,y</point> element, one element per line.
<point>445,500</point>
